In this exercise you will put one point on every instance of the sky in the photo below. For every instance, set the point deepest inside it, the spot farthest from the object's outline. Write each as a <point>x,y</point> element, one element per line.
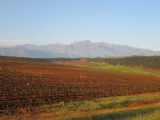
<point>129,22</point>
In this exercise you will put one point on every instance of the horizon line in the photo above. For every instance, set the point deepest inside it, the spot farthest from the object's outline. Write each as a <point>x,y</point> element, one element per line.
<point>63,43</point>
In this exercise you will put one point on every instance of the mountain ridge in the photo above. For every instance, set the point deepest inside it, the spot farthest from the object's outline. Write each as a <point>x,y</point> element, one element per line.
<point>78,49</point>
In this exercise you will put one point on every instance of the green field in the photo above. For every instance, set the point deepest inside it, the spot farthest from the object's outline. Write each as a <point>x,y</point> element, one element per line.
<point>117,68</point>
<point>145,61</point>
<point>121,68</point>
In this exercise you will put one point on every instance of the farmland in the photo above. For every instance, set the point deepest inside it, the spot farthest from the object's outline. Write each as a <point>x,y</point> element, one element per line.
<point>36,83</point>
<point>145,61</point>
<point>135,107</point>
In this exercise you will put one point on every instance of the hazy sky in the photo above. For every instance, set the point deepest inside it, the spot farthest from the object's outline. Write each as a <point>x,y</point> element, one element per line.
<point>130,22</point>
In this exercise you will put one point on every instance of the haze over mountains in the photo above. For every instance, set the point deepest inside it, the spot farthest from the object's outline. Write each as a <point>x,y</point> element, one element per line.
<point>79,49</point>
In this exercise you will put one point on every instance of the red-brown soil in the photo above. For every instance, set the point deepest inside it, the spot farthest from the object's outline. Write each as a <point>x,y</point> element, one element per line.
<point>30,83</point>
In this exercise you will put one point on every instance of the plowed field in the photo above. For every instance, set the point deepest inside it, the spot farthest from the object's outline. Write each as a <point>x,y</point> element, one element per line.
<point>26,83</point>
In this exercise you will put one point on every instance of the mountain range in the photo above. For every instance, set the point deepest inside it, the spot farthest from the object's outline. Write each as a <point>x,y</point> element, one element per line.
<point>81,49</point>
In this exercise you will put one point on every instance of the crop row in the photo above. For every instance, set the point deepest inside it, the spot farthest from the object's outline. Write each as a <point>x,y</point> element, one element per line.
<point>19,89</point>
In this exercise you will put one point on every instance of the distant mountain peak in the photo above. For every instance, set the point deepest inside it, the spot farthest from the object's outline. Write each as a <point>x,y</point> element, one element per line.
<point>83,41</point>
<point>78,49</point>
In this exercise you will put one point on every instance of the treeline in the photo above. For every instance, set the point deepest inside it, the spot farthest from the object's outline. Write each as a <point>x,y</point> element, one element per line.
<point>146,61</point>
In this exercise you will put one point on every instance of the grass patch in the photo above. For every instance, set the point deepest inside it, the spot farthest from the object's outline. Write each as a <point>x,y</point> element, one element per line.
<point>151,116</point>
<point>119,68</point>
<point>123,115</point>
